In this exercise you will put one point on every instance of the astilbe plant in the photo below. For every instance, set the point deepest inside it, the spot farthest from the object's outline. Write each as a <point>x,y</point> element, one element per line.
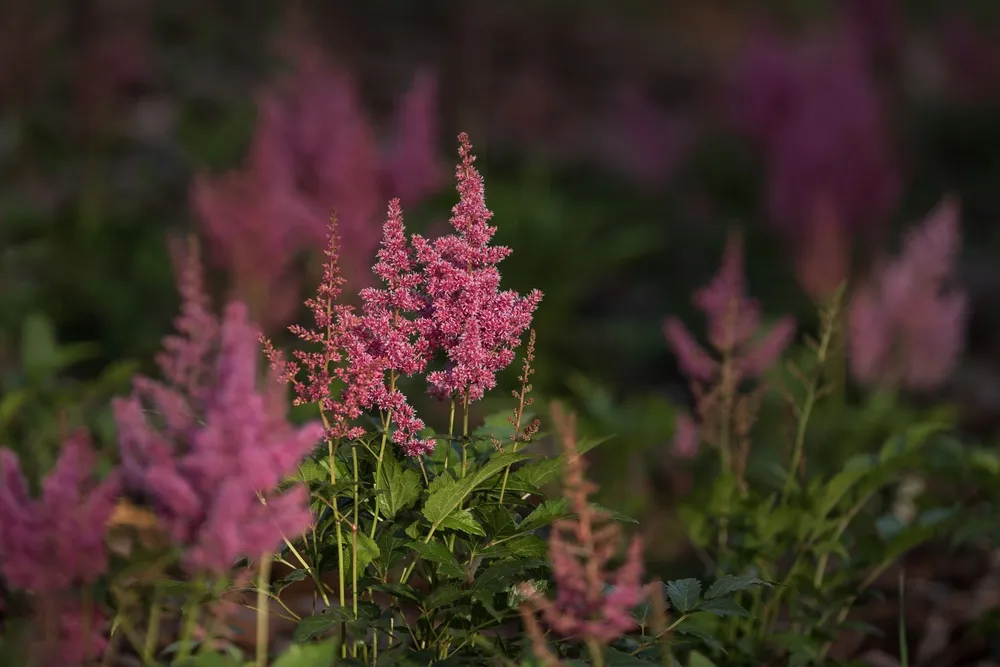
<point>593,603</point>
<point>208,448</point>
<point>52,547</point>
<point>906,322</point>
<point>743,350</point>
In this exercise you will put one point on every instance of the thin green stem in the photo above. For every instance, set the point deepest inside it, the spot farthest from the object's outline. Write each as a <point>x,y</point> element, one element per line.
<point>263,637</point>
<point>153,629</point>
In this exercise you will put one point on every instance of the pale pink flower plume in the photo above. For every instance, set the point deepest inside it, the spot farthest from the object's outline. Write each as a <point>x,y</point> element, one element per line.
<point>906,323</point>
<point>206,445</point>
<point>734,326</point>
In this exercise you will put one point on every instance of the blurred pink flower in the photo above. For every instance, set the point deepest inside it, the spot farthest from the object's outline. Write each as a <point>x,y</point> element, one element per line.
<point>54,542</point>
<point>816,114</point>
<point>315,153</point>
<point>206,445</point>
<point>906,324</point>
<point>734,326</point>
<point>686,439</point>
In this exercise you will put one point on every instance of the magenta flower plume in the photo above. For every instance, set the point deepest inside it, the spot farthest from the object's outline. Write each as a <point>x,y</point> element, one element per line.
<point>468,317</point>
<point>906,323</point>
<point>54,542</point>
<point>734,326</point>
<point>413,169</point>
<point>209,458</point>
<point>366,352</point>
<point>592,600</point>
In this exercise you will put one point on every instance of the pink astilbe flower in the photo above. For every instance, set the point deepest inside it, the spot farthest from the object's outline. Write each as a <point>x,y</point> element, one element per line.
<point>592,601</point>
<point>314,151</point>
<point>476,325</point>
<point>209,454</point>
<point>734,322</point>
<point>366,352</point>
<point>816,114</point>
<point>52,543</point>
<point>906,323</point>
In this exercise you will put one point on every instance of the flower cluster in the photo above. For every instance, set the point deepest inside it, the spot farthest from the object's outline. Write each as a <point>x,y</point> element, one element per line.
<point>477,325</point>
<point>592,602</point>
<point>906,322</point>
<point>734,322</point>
<point>55,543</point>
<point>207,448</point>
<point>439,297</point>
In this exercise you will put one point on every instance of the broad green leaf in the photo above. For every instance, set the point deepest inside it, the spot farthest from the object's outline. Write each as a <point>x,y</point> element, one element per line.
<point>446,498</point>
<point>443,595</point>
<point>437,553</point>
<point>464,521</point>
<point>615,658</point>
<point>309,655</point>
<point>537,474</point>
<point>398,488</point>
<point>546,512</point>
<point>498,576</point>
<point>311,471</point>
<point>683,594</point>
<point>397,590</point>
<point>367,550</point>
<point>730,584</point>
<point>311,627</point>
<point>723,607</point>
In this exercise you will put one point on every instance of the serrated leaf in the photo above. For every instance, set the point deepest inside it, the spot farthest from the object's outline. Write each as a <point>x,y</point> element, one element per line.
<point>437,553</point>
<point>309,655</point>
<point>547,512</point>
<point>730,584</point>
<point>442,596</point>
<point>464,521</point>
<point>537,474</point>
<point>723,607</point>
<point>310,470</point>
<point>445,499</point>
<point>498,576</point>
<point>397,590</point>
<point>683,594</point>
<point>397,488</point>
<point>367,550</point>
<point>312,627</point>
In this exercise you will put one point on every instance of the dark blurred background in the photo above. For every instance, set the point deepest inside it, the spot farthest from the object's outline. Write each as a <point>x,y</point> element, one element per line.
<point>621,142</point>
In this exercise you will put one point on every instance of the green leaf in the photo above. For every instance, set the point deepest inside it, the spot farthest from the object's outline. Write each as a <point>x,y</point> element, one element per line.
<point>615,658</point>
<point>464,521</point>
<point>437,553</point>
<point>449,495</point>
<point>612,514</point>
<point>397,590</point>
<point>499,576</point>
<point>309,655</point>
<point>367,550</point>
<point>537,474</point>
<point>683,594</point>
<point>312,627</point>
<point>398,488</point>
<point>546,512</point>
<point>730,584</point>
<point>723,607</point>
<point>696,659</point>
<point>39,349</point>
<point>442,596</point>
<point>310,470</point>
<point>525,546</point>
